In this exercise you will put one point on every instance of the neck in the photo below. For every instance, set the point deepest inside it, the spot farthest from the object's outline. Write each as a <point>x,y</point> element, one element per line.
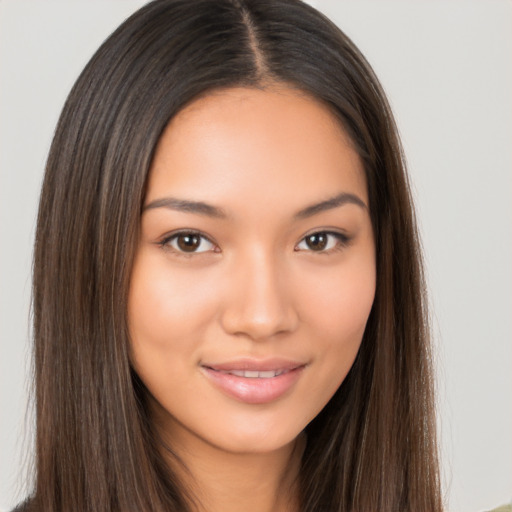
<point>220,481</point>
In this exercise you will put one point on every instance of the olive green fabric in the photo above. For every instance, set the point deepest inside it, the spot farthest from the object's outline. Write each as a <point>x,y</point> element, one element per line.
<point>503,508</point>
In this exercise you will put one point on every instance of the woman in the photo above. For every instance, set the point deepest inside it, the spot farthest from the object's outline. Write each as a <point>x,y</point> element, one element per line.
<point>228,294</point>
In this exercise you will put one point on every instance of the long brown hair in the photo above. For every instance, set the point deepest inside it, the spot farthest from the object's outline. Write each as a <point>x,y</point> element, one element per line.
<point>373,447</point>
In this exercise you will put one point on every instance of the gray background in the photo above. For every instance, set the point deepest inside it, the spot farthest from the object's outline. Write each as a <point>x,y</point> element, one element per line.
<point>447,68</point>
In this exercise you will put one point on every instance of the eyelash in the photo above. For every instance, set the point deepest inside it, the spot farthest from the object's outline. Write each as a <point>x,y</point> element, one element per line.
<point>341,241</point>
<point>166,243</point>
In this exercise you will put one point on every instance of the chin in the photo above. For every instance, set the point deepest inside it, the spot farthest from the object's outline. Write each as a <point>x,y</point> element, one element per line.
<point>256,434</point>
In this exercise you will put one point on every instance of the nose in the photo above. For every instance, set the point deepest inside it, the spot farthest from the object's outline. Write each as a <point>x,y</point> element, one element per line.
<point>259,303</point>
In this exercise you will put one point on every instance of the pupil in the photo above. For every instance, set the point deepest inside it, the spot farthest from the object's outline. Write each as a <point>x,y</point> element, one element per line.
<point>188,243</point>
<point>317,242</point>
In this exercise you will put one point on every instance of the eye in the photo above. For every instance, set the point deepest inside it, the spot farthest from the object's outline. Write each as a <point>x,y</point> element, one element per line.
<point>322,241</point>
<point>188,242</point>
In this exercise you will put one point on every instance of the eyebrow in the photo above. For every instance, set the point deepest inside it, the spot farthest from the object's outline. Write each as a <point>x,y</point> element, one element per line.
<point>329,204</point>
<point>202,208</point>
<point>184,205</point>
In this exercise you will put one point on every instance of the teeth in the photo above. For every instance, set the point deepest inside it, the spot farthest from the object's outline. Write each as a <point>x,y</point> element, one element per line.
<point>267,375</point>
<point>251,374</point>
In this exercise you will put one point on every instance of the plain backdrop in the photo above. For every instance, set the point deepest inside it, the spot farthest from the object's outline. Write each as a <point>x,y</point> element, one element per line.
<point>447,68</point>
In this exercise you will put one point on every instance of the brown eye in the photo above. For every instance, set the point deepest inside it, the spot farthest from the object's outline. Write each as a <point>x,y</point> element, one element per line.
<point>317,241</point>
<point>322,241</point>
<point>189,243</point>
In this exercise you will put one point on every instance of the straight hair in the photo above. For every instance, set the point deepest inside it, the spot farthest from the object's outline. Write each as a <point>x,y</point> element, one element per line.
<point>373,447</point>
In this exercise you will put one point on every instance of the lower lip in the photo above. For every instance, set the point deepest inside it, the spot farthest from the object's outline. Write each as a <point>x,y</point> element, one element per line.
<point>254,390</point>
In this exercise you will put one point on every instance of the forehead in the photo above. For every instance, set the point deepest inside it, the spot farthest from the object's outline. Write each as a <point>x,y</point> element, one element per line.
<point>256,143</point>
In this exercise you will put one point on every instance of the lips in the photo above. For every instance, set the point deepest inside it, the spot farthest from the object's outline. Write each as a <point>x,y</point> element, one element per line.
<point>250,374</point>
<point>252,381</point>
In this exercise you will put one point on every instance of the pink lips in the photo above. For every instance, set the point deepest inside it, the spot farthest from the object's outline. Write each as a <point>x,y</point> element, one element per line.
<point>254,382</point>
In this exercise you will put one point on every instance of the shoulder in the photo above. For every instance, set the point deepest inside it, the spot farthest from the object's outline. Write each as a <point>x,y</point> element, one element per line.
<point>503,508</point>
<point>26,506</point>
<point>20,508</point>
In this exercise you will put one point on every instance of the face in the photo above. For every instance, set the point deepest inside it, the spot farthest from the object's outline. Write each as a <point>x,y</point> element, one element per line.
<point>255,271</point>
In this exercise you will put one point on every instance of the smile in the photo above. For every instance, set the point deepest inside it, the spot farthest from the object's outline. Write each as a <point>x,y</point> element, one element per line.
<point>254,382</point>
<point>251,374</point>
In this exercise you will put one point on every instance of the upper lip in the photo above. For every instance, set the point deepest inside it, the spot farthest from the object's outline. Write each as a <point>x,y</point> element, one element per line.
<point>257,365</point>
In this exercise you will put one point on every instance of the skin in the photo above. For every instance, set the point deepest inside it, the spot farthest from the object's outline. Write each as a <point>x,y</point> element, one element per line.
<point>255,287</point>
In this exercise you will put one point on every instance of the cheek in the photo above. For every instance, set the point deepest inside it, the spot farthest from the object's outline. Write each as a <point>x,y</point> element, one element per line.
<point>336,307</point>
<point>338,303</point>
<point>168,314</point>
<point>166,306</point>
